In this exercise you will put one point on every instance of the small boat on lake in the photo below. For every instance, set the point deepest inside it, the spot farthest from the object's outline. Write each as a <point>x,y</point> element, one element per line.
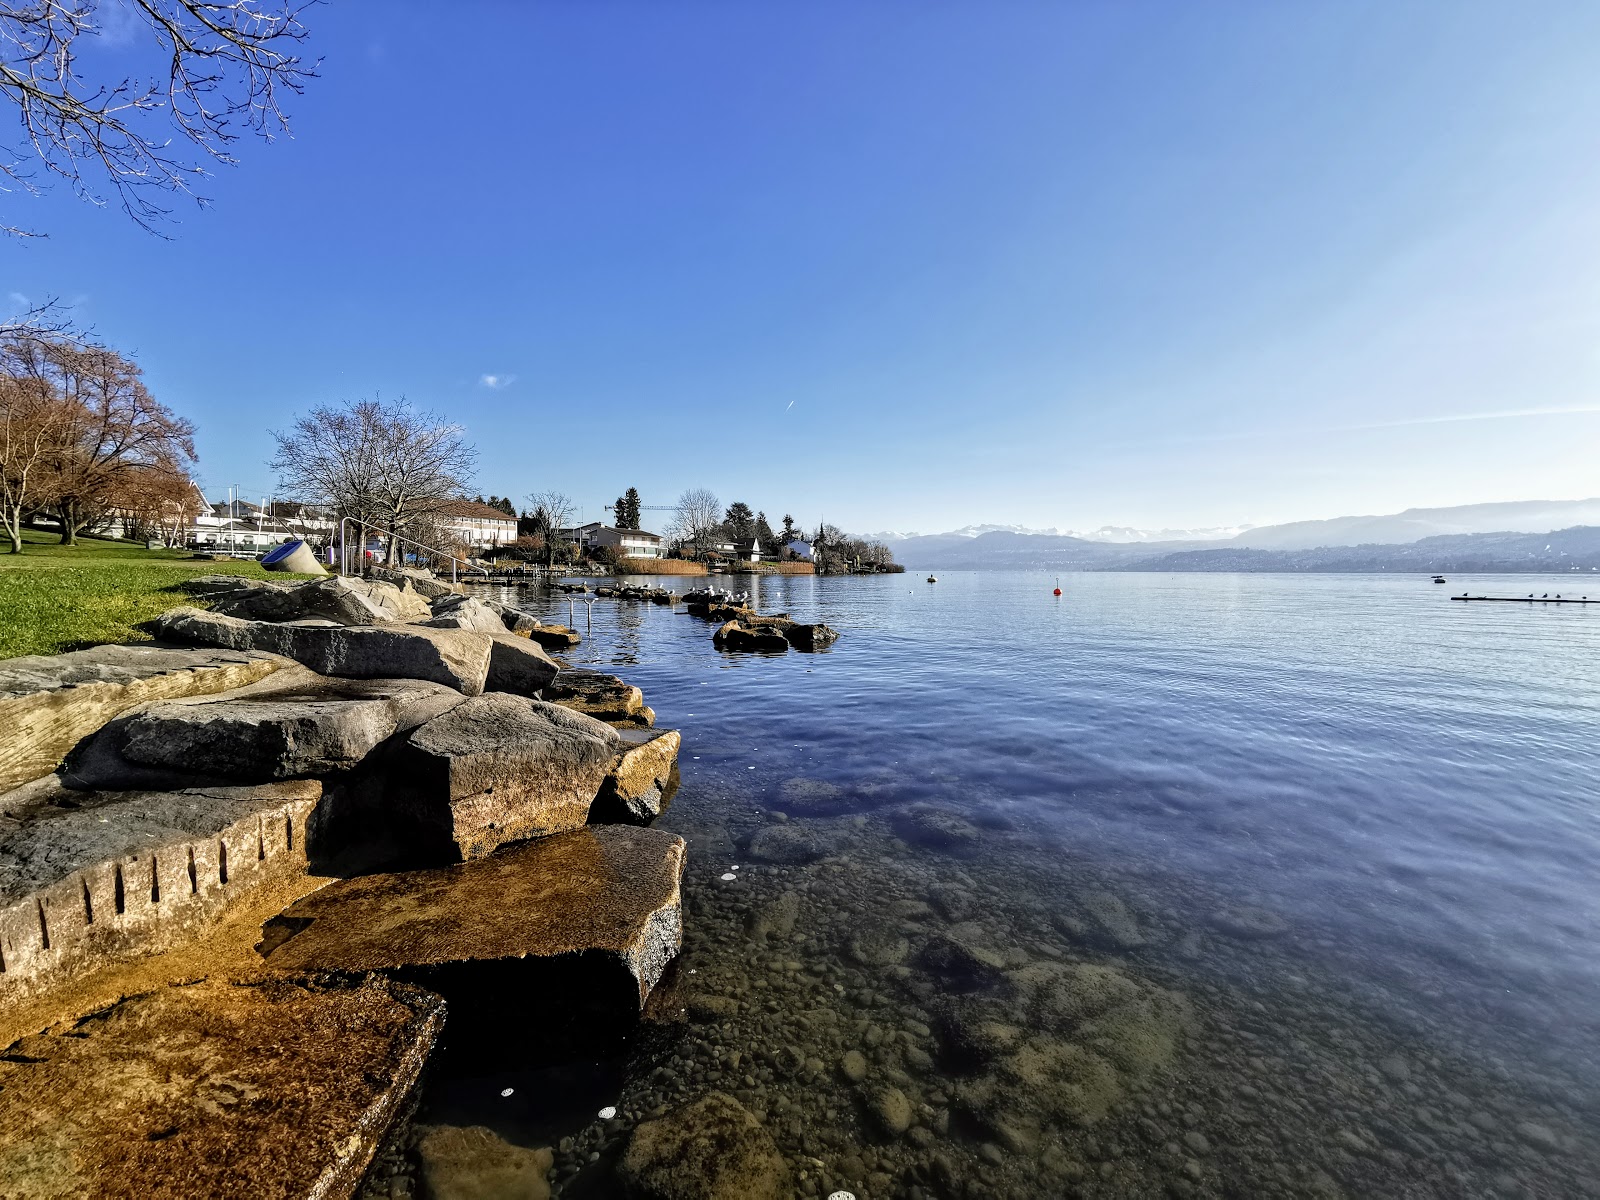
<point>933,579</point>
<point>1440,579</point>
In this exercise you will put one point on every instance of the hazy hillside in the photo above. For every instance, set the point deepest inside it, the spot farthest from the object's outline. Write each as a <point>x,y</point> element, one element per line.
<point>1576,550</point>
<point>1522,516</point>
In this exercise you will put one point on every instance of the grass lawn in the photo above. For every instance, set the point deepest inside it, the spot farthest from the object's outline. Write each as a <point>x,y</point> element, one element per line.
<point>55,597</point>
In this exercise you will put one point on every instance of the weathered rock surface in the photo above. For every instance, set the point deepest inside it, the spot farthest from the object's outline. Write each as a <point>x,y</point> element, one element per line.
<point>713,1149</point>
<point>49,703</point>
<point>95,877</point>
<point>760,637</point>
<point>273,1088</point>
<point>424,583</point>
<point>555,637</point>
<point>498,769</point>
<point>787,845</point>
<point>640,777</point>
<point>458,658</point>
<point>603,697</point>
<point>518,665</point>
<point>474,1163</point>
<point>344,601</point>
<point>608,892</point>
<point>464,612</point>
<point>811,638</point>
<point>291,725</point>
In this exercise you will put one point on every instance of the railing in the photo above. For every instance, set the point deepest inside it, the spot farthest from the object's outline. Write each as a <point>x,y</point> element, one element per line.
<point>344,547</point>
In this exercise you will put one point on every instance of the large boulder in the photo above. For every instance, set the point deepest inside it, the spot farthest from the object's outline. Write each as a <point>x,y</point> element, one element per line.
<point>279,1088</point>
<point>343,601</point>
<point>603,897</point>
<point>603,697</point>
<point>640,778</point>
<point>811,638</point>
<point>519,666</point>
<point>97,877</point>
<point>458,658</point>
<point>496,769</point>
<point>761,637</point>
<point>424,583</point>
<point>464,612</point>
<point>554,637</point>
<point>50,703</point>
<point>713,1149</point>
<point>292,725</point>
<point>473,1163</point>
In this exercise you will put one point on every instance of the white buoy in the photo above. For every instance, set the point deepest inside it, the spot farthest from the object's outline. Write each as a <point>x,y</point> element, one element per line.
<point>507,1091</point>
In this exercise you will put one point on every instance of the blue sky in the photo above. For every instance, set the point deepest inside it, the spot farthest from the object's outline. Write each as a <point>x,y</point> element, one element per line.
<point>905,266</point>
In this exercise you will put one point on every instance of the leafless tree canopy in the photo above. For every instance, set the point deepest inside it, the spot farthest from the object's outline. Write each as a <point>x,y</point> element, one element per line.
<point>698,521</point>
<point>212,71</point>
<point>384,464</point>
<point>551,512</point>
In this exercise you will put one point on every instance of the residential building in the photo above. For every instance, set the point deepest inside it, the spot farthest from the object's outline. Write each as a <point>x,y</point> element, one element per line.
<point>748,550</point>
<point>478,525</point>
<point>629,543</point>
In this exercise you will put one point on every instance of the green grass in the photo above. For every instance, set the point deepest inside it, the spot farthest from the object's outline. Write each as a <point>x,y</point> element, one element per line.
<point>55,597</point>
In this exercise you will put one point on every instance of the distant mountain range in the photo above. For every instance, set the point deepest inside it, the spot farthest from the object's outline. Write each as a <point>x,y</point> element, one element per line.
<point>1483,537</point>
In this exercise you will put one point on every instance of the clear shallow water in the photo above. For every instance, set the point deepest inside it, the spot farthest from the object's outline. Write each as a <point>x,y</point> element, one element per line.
<point>1347,826</point>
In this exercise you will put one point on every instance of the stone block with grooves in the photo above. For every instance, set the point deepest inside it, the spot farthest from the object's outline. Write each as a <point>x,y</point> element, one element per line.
<point>609,892</point>
<point>291,725</point>
<point>458,658</point>
<point>50,703</point>
<point>262,1088</point>
<point>640,778</point>
<point>603,697</point>
<point>92,878</point>
<point>498,769</point>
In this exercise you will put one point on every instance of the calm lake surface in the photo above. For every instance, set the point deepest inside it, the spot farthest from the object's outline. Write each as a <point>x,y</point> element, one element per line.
<point>1175,885</point>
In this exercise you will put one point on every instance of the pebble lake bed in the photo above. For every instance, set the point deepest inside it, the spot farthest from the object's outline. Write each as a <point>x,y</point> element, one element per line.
<point>1209,885</point>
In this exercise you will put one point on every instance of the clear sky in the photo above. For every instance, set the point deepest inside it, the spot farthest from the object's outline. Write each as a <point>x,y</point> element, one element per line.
<point>905,266</point>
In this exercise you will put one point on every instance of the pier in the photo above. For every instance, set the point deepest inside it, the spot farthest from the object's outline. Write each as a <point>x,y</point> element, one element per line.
<point>1530,599</point>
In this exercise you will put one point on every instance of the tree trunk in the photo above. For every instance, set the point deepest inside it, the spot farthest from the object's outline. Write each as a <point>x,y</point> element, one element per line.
<point>68,516</point>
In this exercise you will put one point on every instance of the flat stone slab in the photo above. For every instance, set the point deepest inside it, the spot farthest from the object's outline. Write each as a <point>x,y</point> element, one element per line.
<point>640,778</point>
<point>290,725</point>
<point>496,769</point>
<point>345,601</point>
<point>89,878</point>
<point>596,694</point>
<point>48,703</point>
<point>608,891</point>
<point>458,658</point>
<point>276,1088</point>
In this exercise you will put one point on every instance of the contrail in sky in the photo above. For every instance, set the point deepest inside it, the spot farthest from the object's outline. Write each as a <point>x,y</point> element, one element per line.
<point>791,405</point>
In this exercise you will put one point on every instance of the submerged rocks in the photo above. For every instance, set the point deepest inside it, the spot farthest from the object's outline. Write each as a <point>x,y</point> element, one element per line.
<point>713,1149</point>
<point>458,658</point>
<point>787,845</point>
<point>1247,921</point>
<point>811,796</point>
<point>474,1163</point>
<point>604,896</point>
<point>935,828</point>
<point>496,769</point>
<point>640,779</point>
<point>49,704</point>
<point>277,1087</point>
<point>98,877</point>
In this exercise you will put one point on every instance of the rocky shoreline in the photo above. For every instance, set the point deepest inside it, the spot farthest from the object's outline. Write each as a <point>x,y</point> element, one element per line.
<point>248,871</point>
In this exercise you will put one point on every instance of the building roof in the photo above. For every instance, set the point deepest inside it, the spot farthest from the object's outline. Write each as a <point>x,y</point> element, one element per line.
<point>471,508</point>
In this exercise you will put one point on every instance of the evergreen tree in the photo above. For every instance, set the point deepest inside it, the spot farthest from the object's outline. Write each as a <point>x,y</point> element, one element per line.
<point>738,523</point>
<point>619,513</point>
<point>764,535</point>
<point>632,508</point>
<point>504,504</point>
<point>788,529</point>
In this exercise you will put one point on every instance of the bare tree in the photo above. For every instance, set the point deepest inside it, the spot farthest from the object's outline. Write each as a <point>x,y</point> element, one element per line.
<point>698,521</point>
<point>552,513</point>
<point>33,424</point>
<point>214,70</point>
<point>385,465</point>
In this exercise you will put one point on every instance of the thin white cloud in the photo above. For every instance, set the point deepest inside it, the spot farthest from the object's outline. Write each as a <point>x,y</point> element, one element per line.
<point>18,299</point>
<point>1400,423</point>
<point>497,381</point>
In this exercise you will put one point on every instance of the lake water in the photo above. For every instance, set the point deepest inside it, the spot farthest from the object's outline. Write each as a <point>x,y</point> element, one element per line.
<point>1175,885</point>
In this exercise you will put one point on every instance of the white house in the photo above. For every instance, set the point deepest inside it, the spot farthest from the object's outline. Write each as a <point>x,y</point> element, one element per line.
<point>478,525</point>
<point>629,543</point>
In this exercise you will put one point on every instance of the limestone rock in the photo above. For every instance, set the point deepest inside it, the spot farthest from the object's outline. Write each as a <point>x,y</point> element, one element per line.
<point>278,1088</point>
<point>464,612</point>
<point>50,703</point>
<point>555,637</point>
<point>344,601</point>
<point>458,658</point>
<point>712,1149</point>
<point>606,892</point>
<point>497,769</point>
<point>424,583</point>
<point>758,637</point>
<point>518,665</point>
<point>811,638</point>
<point>640,778</point>
<point>98,877</point>
<point>604,697</point>
<point>291,725</point>
<point>474,1163</point>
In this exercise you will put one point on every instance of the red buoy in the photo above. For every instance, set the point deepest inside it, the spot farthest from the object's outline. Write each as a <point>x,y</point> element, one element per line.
<point>1058,585</point>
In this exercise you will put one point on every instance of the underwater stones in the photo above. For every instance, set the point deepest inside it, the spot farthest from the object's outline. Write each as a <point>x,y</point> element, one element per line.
<point>608,894</point>
<point>951,902</point>
<point>518,666</point>
<point>891,1110</point>
<point>48,703</point>
<point>458,658</point>
<point>603,697</point>
<point>878,947</point>
<point>712,1149</point>
<point>785,845</point>
<point>775,919</point>
<point>1247,921</point>
<point>960,965</point>
<point>497,769</point>
<point>935,828</point>
<point>473,1163</point>
<point>639,779</point>
<point>810,796</point>
<point>1106,921</point>
<point>97,877</point>
<point>970,1032</point>
<point>274,1087</point>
